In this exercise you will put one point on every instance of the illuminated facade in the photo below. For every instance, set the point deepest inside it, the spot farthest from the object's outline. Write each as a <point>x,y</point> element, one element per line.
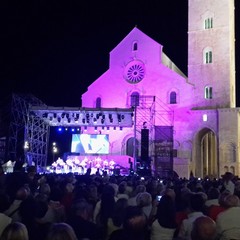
<point>192,121</point>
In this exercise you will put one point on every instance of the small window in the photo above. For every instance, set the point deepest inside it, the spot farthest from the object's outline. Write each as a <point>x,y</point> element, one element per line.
<point>135,46</point>
<point>98,102</point>
<point>208,23</point>
<point>208,92</point>
<point>173,98</point>
<point>208,55</point>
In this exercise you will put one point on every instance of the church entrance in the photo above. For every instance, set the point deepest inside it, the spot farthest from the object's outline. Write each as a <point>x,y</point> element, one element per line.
<point>206,154</point>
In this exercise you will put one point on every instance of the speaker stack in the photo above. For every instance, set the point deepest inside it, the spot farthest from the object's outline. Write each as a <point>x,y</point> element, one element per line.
<point>145,145</point>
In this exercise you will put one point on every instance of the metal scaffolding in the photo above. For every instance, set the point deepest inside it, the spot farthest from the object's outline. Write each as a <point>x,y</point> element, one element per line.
<point>19,112</point>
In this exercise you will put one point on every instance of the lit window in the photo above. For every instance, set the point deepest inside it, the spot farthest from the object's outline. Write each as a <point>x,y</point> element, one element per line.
<point>208,92</point>
<point>205,117</point>
<point>173,98</point>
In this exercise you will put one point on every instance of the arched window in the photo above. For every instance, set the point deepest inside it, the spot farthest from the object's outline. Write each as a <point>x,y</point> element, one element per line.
<point>98,102</point>
<point>173,98</point>
<point>135,99</point>
<point>135,46</point>
<point>130,147</point>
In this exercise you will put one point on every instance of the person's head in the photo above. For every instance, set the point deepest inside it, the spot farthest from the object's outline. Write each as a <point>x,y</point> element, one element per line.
<point>222,197</point>
<point>31,170</point>
<point>45,189</point>
<point>83,209</point>
<point>213,193</point>
<point>204,228</point>
<point>140,188</point>
<point>21,193</point>
<point>144,199</point>
<point>196,202</point>
<point>228,176</point>
<point>15,231</point>
<point>119,211</point>
<point>135,221</point>
<point>231,201</point>
<point>170,192</point>
<point>61,231</point>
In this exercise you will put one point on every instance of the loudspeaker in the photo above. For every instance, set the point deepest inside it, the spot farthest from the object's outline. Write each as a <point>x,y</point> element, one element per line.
<point>144,144</point>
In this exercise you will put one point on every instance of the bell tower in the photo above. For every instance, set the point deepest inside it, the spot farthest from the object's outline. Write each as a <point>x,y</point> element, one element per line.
<point>211,53</point>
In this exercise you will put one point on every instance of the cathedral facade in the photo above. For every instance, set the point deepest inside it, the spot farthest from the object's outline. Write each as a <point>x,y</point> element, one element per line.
<point>181,123</point>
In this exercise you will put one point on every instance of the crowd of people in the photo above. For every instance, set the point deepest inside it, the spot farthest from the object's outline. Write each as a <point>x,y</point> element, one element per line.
<point>36,206</point>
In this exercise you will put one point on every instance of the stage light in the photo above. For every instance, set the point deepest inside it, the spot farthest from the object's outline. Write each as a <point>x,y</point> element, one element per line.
<point>73,129</point>
<point>78,129</point>
<point>59,129</point>
<point>66,129</point>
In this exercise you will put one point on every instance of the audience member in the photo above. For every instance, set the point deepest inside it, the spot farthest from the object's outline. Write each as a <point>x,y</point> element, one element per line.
<point>15,231</point>
<point>81,221</point>
<point>4,219</point>
<point>228,221</point>
<point>139,189</point>
<point>134,226</point>
<point>61,231</point>
<point>119,212</point>
<point>196,207</point>
<point>165,224</point>
<point>204,228</point>
<point>144,201</point>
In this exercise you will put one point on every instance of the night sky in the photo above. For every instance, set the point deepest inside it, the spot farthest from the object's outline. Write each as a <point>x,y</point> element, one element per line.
<point>54,49</point>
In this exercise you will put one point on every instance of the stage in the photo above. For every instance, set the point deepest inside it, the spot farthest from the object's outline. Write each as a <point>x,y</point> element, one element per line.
<point>100,163</point>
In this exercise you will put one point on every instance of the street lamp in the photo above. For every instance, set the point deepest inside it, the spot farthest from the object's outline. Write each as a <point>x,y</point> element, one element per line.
<point>54,149</point>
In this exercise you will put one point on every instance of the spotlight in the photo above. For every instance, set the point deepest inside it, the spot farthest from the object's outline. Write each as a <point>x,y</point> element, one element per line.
<point>59,129</point>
